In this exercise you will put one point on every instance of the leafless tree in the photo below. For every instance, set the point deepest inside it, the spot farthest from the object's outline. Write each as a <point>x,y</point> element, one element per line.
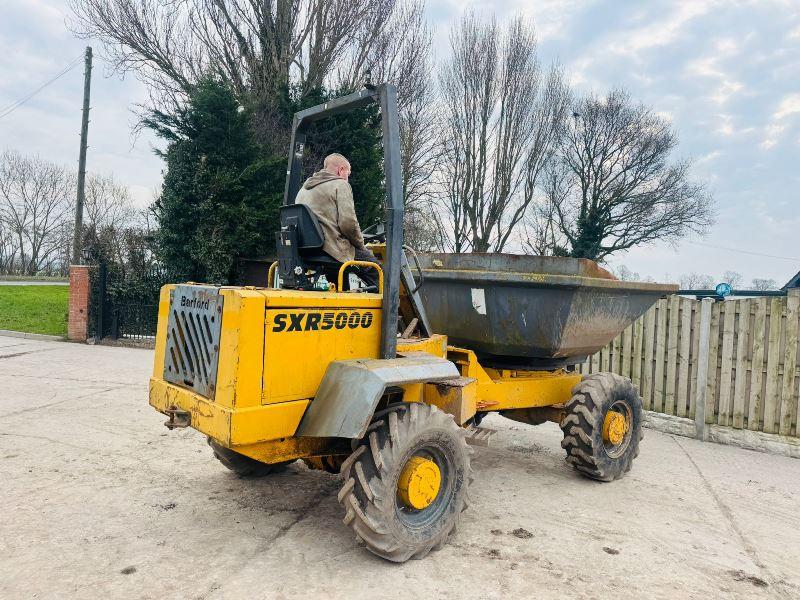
<point>541,235</point>
<point>618,186</point>
<point>37,203</point>
<point>8,249</point>
<point>422,229</point>
<point>407,61</point>
<point>402,55</point>
<point>264,46</point>
<point>36,198</point>
<point>109,213</point>
<point>764,284</point>
<point>502,116</point>
<point>733,278</point>
<point>258,45</point>
<point>108,203</point>
<point>623,273</point>
<point>696,281</point>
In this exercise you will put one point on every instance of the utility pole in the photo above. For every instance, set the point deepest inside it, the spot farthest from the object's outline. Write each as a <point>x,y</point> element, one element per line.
<point>77,257</point>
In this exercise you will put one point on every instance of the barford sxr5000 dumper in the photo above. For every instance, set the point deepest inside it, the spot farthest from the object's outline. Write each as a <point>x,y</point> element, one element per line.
<point>387,386</point>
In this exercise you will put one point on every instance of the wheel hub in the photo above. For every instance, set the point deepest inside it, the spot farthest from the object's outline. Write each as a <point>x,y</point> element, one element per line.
<point>419,482</point>
<point>615,426</point>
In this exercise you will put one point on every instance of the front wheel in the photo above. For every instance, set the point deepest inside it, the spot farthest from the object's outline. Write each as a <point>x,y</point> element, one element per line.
<point>603,426</point>
<point>407,481</point>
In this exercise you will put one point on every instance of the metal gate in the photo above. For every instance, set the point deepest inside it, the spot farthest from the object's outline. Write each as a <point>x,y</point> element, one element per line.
<point>125,301</point>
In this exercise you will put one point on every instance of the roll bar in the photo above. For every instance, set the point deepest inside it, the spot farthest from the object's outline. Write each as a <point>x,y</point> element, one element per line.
<point>385,95</point>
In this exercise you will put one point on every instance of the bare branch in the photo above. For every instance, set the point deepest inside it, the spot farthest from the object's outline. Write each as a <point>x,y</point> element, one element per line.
<point>503,118</point>
<point>36,204</point>
<point>613,185</point>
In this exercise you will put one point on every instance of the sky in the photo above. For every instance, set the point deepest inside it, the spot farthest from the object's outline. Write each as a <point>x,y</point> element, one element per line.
<point>725,72</point>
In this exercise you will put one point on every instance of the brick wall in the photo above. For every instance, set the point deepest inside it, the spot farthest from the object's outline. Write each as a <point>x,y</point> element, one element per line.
<point>78,326</point>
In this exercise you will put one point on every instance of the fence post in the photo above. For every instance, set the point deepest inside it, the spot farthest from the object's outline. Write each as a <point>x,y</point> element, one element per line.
<point>701,386</point>
<point>101,299</point>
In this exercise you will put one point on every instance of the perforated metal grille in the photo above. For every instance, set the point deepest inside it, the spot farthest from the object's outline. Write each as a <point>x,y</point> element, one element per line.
<point>193,334</point>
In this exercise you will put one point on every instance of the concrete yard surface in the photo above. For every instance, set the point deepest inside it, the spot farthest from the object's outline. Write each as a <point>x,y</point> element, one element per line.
<point>99,500</point>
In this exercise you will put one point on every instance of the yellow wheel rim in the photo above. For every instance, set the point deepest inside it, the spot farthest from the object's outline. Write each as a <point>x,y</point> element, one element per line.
<point>419,482</point>
<point>615,427</point>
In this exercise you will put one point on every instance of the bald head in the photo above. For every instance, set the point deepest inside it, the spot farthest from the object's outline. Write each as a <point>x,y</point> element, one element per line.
<point>338,165</point>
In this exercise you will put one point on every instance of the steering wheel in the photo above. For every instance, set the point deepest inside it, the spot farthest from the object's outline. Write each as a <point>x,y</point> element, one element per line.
<point>375,233</point>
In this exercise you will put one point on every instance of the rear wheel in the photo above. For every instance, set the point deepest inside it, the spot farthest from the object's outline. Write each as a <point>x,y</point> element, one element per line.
<point>603,426</point>
<point>407,481</point>
<point>242,465</point>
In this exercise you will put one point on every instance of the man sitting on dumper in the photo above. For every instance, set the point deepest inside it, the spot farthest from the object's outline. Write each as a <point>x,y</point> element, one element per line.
<point>329,196</point>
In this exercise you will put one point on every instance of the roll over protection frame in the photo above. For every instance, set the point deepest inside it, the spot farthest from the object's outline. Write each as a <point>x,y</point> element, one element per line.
<point>385,95</point>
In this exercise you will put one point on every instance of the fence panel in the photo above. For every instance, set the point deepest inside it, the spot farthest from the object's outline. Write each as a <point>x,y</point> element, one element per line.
<point>726,362</point>
<point>788,405</point>
<point>753,370</point>
<point>742,332</point>
<point>695,352</point>
<point>771,398</point>
<point>684,356</point>
<point>755,409</point>
<point>672,332</point>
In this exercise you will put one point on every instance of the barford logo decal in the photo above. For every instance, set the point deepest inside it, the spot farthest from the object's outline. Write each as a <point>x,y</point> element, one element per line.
<point>314,321</point>
<point>196,302</point>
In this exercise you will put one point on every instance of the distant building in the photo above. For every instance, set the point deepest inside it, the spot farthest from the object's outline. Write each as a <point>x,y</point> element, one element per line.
<point>794,282</point>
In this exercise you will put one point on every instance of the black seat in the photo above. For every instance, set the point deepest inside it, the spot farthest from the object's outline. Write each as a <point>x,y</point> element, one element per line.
<point>300,242</point>
<point>310,237</point>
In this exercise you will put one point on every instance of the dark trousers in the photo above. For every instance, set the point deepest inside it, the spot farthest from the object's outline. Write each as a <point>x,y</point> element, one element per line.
<point>365,274</point>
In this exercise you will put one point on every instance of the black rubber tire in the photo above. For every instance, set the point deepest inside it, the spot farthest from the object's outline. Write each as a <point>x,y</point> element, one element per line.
<point>583,426</point>
<point>369,494</point>
<point>242,465</point>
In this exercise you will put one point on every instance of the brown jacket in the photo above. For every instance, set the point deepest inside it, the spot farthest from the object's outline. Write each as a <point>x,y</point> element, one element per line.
<point>330,198</point>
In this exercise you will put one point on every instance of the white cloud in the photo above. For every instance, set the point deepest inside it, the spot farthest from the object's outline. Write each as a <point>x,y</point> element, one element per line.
<point>709,67</point>
<point>771,136</point>
<point>726,126</point>
<point>789,107</point>
<point>704,67</point>
<point>552,18</point>
<point>725,91</point>
<point>707,158</point>
<point>47,13</point>
<point>663,31</point>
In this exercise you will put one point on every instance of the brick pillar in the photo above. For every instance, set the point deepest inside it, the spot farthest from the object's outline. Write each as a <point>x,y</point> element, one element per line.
<point>78,325</point>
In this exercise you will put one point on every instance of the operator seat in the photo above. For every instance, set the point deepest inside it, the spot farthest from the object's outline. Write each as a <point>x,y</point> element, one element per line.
<point>300,243</point>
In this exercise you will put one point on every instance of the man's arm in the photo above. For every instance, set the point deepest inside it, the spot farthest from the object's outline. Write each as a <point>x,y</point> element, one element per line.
<point>348,222</point>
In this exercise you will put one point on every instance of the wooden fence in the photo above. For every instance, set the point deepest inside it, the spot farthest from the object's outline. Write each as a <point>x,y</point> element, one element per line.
<point>737,360</point>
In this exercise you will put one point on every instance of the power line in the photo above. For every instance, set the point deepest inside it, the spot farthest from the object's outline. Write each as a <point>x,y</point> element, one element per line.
<point>14,105</point>
<point>744,251</point>
<point>7,110</point>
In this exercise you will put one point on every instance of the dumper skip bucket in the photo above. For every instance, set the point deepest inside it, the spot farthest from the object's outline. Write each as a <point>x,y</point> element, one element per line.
<point>530,311</point>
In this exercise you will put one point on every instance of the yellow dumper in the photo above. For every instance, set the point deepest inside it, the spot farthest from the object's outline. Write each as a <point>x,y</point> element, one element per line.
<point>388,386</point>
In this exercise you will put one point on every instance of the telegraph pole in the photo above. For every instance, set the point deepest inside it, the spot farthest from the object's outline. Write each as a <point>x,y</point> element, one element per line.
<point>87,83</point>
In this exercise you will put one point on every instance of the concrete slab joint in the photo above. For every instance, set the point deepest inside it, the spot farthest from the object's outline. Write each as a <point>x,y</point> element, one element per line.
<point>78,322</point>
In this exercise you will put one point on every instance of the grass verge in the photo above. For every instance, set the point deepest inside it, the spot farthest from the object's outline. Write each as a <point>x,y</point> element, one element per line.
<point>34,308</point>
